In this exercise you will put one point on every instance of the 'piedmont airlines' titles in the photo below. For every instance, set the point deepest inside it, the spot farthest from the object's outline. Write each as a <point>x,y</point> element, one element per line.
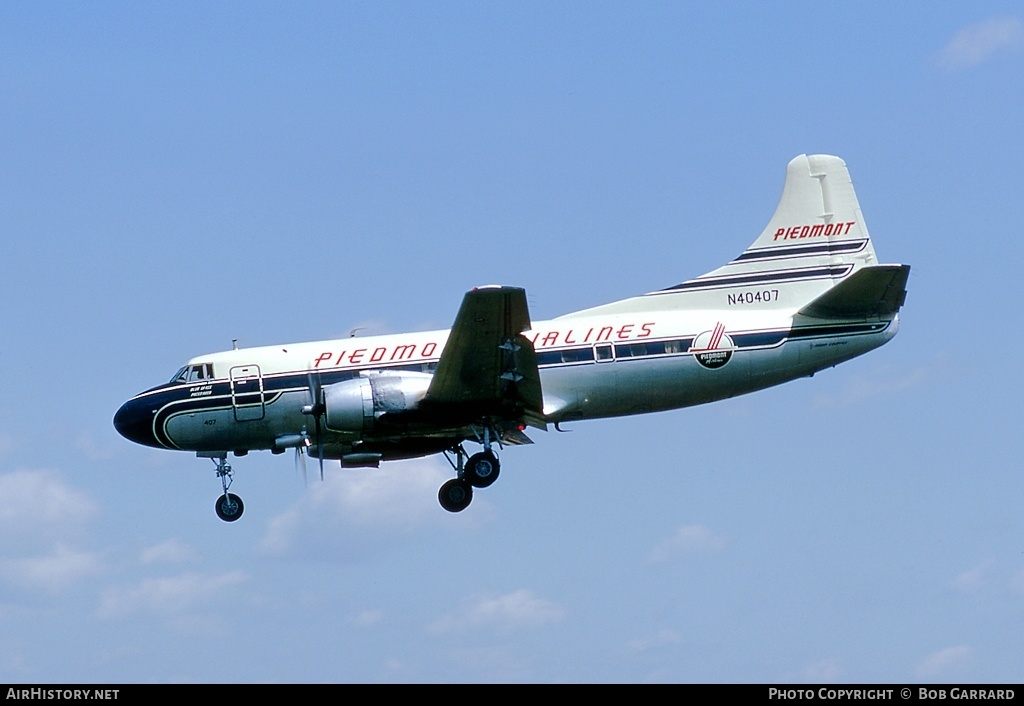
<point>429,349</point>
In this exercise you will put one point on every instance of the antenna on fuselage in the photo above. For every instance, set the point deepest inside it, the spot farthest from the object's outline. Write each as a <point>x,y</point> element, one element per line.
<point>352,333</point>
<point>234,344</point>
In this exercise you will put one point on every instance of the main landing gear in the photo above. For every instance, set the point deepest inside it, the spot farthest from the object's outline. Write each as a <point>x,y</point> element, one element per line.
<point>229,506</point>
<point>479,471</point>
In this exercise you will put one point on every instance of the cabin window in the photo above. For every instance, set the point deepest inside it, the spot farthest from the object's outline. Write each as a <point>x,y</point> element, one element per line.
<point>549,357</point>
<point>577,355</point>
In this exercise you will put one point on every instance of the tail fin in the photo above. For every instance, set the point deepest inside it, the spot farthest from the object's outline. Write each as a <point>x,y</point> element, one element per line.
<point>818,220</point>
<point>816,239</point>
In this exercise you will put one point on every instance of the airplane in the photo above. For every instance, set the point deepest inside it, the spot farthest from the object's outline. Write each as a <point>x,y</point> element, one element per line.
<point>806,295</point>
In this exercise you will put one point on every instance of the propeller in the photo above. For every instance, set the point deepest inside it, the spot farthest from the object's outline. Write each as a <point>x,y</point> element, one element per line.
<point>300,460</point>
<point>316,409</point>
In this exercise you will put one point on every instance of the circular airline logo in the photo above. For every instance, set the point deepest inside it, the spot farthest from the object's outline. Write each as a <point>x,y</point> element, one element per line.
<point>714,348</point>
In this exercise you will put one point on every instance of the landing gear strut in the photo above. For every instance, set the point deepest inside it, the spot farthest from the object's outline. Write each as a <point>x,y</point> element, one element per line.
<point>478,472</point>
<point>229,506</point>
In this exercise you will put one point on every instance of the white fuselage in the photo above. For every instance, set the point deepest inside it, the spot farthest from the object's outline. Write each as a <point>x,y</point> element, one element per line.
<point>590,367</point>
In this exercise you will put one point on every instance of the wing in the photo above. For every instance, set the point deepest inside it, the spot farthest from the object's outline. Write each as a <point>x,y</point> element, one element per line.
<point>487,367</point>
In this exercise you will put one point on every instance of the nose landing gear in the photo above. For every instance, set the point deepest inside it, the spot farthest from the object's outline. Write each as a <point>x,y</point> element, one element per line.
<point>229,506</point>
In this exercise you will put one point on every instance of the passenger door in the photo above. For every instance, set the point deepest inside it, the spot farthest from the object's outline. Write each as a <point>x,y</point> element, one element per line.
<point>247,393</point>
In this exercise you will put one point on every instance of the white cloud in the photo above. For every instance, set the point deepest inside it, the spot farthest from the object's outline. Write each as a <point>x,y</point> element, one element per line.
<point>87,445</point>
<point>978,42</point>
<point>973,579</point>
<point>1017,582</point>
<point>869,386</point>
<point>944,661</point>
<point>825,671</point>
<point>41,518</point>
<point>170,595</point>
<point>356,508</point>
<point>51,571</point>
<point>505,613</point>
<point>661,639</point>
<point>173,551</point>
<point>689,539</point>
<point>38,507</point>
<point>367,618</point>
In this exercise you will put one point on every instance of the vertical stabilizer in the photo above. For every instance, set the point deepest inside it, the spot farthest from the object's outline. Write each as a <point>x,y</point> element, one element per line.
<point>816,239</point>
<point>818,218</point>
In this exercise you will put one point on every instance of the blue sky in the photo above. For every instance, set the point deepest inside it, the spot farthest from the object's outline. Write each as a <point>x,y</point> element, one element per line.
<point>177,175</point>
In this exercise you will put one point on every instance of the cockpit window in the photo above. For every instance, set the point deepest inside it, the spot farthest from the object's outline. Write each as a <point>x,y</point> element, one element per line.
<point>194,373</point>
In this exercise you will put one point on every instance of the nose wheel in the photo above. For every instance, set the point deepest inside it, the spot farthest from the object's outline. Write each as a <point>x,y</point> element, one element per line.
<point>229,506</point>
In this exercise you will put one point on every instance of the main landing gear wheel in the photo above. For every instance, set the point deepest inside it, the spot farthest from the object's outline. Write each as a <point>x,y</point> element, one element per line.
<point>229,507</point>
<point>455,495</point>
<point>482,469</point>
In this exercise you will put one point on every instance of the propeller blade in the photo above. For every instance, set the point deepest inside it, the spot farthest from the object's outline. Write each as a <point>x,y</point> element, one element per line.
<point>319,446</point>
<point>300,461</point>
<point>316,408</point>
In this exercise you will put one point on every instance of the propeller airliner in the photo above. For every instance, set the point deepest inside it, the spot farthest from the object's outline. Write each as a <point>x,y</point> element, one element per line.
<point>808,294</point>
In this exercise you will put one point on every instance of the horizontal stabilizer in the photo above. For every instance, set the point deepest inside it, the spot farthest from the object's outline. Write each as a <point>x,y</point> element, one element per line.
<point>877,290</point>
<point>515,437</point>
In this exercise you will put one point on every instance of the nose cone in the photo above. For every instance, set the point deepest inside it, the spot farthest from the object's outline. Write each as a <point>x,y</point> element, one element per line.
<point>134,421</point>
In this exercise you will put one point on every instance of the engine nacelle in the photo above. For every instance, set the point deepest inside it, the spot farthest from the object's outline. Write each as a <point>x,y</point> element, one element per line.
<point>354,406</point>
